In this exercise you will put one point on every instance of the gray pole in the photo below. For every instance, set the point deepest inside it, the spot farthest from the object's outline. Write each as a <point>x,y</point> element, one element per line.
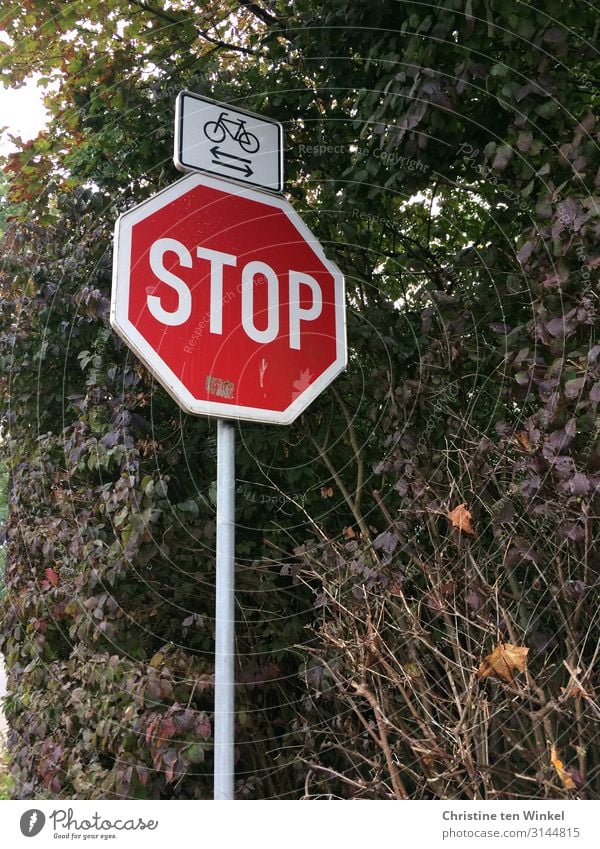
<point>225,612</point>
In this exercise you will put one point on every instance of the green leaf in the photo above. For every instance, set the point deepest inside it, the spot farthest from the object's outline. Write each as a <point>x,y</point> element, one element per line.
<point>196,753</point>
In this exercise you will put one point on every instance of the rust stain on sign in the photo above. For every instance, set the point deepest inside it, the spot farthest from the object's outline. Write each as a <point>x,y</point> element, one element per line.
<point>218,386</point>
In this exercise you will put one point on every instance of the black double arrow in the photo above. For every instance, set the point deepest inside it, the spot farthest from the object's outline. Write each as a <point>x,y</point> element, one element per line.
<point>221,157</point>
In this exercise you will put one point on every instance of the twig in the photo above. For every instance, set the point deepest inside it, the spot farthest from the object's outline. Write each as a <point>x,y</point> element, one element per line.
<point>397,783</point>
<point>364,528</point>
<point>358,454</point>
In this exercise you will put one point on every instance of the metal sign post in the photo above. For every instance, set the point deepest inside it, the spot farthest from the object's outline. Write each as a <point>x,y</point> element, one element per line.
<point>225,612</point>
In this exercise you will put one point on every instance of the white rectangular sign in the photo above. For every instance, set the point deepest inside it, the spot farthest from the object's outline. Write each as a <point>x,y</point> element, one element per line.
<point>229,142</point>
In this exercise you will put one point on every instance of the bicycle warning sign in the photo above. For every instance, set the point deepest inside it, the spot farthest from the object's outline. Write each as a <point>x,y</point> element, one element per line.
<point>229,142</point>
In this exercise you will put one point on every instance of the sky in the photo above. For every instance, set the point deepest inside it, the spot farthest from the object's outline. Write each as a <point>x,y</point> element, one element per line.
<point>21,110</point>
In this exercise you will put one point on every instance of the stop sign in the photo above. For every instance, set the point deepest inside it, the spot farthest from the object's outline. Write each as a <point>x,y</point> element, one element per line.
<point>227,297</point>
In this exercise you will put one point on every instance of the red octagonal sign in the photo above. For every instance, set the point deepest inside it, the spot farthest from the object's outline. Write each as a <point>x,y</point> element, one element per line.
<point>227,297</point>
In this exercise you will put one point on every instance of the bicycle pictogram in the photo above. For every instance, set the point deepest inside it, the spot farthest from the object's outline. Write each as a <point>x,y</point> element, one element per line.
<point>217,131</point>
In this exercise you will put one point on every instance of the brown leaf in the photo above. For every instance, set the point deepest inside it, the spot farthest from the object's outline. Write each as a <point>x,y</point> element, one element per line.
<point>461,519</point>
<point>349,533</point>
<point>523,439</point>
<point>326,492</point>
<point>561,771</point>
<point>574,693</point>
<point>505,658</point>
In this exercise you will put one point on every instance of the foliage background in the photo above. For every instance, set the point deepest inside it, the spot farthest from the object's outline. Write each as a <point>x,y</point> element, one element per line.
<point>458,191</point>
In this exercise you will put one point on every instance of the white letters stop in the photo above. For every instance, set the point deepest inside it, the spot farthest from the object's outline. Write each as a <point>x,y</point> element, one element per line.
<point>250,271</point>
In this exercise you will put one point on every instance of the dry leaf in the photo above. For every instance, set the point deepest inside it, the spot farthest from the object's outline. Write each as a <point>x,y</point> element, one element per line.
<point>574,692</point>
<point>561,771</point>
<point>575,688</point>
<point>326,492</point>
<point>349,533</point>
<point>130,712</point>
<point>523,439</point>
<point>461,519</point>
<point>505,658</point>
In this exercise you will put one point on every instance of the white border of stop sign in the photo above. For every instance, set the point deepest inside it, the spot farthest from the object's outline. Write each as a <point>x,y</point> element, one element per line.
<point>300,319</point>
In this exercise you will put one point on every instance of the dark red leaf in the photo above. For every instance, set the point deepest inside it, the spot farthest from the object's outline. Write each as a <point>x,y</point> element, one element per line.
<point>52,576</point>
